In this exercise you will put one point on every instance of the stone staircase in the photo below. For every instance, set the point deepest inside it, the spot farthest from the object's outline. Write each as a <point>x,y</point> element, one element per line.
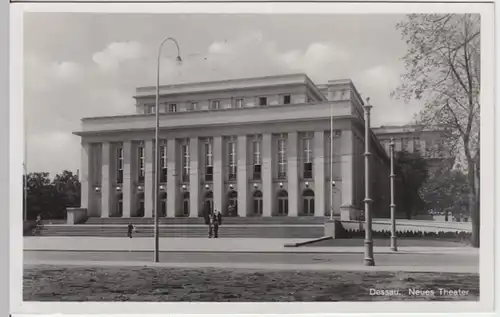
<point>232,227</point>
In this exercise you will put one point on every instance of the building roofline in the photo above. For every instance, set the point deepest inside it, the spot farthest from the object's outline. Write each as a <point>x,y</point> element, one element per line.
<point>94,132</point>
<point>223,81</point>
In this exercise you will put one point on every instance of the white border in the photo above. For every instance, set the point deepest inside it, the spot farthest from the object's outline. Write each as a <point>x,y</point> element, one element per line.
<point>487,162</point>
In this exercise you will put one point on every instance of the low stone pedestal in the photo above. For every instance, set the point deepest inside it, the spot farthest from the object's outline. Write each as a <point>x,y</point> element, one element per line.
<point>76,215</point>
<point>333,228</point>
<point>349,213</point>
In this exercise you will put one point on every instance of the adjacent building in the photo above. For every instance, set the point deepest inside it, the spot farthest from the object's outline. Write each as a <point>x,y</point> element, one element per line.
<point>259,147</point>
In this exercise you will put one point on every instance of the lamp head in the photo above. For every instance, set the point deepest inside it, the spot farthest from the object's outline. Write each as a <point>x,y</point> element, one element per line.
<point>178,59</point>
<point>333,183</point>
<point>392,142</point>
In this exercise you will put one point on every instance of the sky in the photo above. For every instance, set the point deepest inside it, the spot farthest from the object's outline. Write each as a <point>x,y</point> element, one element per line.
<point>89,64</point>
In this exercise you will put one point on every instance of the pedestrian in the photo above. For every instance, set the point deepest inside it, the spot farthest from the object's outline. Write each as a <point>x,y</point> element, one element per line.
<point>206,213</point>
<point>215,223</point>
<point>38,220</point>
<point>219,217</point>
<point>210,226</point>
<point>130,230</point>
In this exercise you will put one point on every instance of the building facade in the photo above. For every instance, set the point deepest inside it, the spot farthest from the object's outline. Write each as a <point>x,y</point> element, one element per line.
<point>257,147</point>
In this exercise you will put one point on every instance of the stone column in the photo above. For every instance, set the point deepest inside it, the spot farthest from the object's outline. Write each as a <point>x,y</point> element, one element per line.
<point>319,174</point>
<point>85,179</point>
<point>347,209</point>
<point>106,181</point>
<point>149,178</point>
<point>242,176</point>
<point>172,186</point>
<point>194,177</point>
<point>267,175</point>
<point>218,184</point>
<point>127,180</point>
<point>293,174</point>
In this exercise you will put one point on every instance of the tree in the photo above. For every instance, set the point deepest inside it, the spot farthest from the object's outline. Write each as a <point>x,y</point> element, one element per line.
<point>68,188</point>
<point>443,69</point>
<point>446,190</point>
<point>411,172</point>
<point>40,194</point>
<point>50,198</point>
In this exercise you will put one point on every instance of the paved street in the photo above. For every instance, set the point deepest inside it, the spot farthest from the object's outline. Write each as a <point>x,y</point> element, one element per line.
<point>414,262</point>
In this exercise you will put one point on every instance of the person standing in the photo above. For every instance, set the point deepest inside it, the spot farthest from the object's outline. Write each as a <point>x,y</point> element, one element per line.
<point>215,223</point>
<point>219,217</point>
<point>130,230</point>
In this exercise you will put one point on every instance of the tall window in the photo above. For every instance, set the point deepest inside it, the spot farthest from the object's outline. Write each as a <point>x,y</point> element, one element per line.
<point>140,154</point>
<point>239,103</point>
<point>193,106</point>
<point>281,158</point>
<point>119,165</point>
<point>283,203</point>
<point>214,104</point>
<point>149,109</point>
<point>209,162</point>
<point>163,164</point>
<point>287,99</point>
<point>308,164</point>
<point>404,144</point>
<point>172,107</point>
<point>185,162</point>
<point>232,160</point>
<point>257,165</point>
<point>262,101</point>
<point>416,144</point>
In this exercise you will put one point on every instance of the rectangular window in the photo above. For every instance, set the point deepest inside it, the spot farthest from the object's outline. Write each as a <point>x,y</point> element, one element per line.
<point>163,164</point>
<point>209,162</point>
<point>281,158</point>
<point>308,158</point>
<point>214,104</point>
<point>416,144</point>
<point>149,109</point>
<point>172,107</point>
<point>239,103</point>
<point>140,152</point>
<point>232,160</point>
<point>185,162</point>
<point>262,101</point>
<point>119,165</point>
<point>287,99</point>
<point>404,144</point>
<point>256,160</point>
<point>193,106</point>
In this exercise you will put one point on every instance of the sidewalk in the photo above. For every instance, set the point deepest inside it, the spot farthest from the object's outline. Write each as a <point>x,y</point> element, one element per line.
<point>200,245</point>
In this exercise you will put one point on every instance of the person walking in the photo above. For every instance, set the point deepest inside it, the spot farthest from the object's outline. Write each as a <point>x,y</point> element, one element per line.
<point>130,230</point>
<point>215,223</point>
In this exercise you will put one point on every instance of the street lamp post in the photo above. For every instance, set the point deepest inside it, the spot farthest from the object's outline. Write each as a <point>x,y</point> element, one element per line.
<point>393,206</point>
<point>368,260</point>
<point>156,201</point>
<point>331,161</point>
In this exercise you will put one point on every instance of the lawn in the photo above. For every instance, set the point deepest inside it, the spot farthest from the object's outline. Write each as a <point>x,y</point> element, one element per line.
<point>154,284</point>
<point>386,242</point>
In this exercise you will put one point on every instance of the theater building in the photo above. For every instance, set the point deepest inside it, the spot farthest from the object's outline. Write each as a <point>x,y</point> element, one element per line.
<point>260,145</point>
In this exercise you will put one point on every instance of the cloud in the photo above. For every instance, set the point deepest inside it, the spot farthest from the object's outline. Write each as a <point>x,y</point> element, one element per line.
<point>60,93</point>
<point>67,71</point>
<point>116,53</point>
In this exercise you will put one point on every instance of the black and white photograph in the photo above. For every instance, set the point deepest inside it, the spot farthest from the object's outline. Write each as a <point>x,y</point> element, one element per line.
<point>272,156</point>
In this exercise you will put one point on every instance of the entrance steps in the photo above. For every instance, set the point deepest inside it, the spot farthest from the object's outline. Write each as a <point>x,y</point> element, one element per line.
<point>232,227</point>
